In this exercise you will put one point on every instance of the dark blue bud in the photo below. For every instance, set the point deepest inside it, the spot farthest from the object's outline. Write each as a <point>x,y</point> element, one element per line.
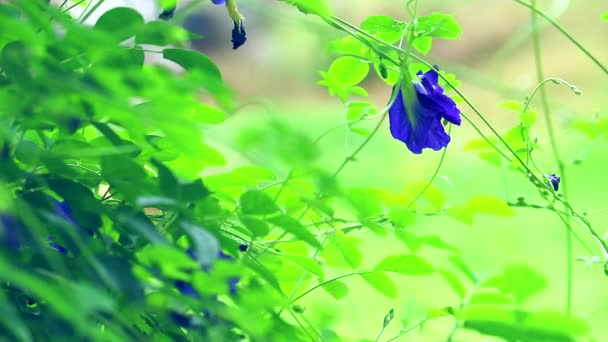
<point>239,36</point>
<point>186,289</point>
<point>167,13</point>
<point>181,320</point>
<point>57,247</point>
<point>554,180</point>
<point>10,227</point>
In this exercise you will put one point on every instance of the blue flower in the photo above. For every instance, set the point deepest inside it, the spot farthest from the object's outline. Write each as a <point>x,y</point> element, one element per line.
<point>218,2</point>
<point>11,227</point>
<point>57,247</point>
<point>64,211</point>
<point>187,289</point>
<point>554,180</point>
<point>181,320</point>
<point>423,128</point>
<point>239,36</point>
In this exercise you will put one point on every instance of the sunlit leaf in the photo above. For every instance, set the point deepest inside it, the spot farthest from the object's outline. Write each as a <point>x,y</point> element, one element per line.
<point>381,283</point>
<point>350,251</point>
<point>405,264</point>
<point>336,289</point>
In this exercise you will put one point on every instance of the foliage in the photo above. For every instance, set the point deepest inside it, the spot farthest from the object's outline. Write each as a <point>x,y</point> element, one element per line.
<point>109,231</point>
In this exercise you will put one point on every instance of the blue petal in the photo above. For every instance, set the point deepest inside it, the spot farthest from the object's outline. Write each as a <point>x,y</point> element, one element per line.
<point>218,2</point>
<point>181,320</point>
<point>58,248</point>
<point>554,180</point>
<point>430,108</point>
<point>186,289</point>
<point>11,228</point>
<point>239,36</point>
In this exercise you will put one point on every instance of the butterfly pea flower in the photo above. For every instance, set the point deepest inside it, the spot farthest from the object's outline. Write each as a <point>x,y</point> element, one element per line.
<point>10,228</point>
<point>187,289</point>
<point>59,248</point>
<point>180,319</point>
<point>239,36</point>
<point>423,128</point>
<point>63,210</point>
<point>554,180</point>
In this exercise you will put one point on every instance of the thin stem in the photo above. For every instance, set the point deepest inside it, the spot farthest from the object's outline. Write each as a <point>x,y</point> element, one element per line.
<point>565,33</point>
<point>87,14</point>
<point>558,160</point>
<point>408,330</point>
<point>290,300</point>
<point>428,184</point>
<point>329,281</point>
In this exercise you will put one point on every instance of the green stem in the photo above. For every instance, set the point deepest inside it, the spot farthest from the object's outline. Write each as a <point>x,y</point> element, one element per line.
<point>408,330</point>
<point>428,184</point>
<point>558,160</point>
<point>565,33</point>
<point>87,14</point>
<point>329,281</point>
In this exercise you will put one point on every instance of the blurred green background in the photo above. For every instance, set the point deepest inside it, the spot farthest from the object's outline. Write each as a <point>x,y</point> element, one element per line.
<point>275,75</point>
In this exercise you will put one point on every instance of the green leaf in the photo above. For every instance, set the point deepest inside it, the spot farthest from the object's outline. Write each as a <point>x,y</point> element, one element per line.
<point>194,191</point>
<point>461,214</point>
<point>343,74</point>
<point>160,33</point>
<point>491,205</point>
<point>336,289</point>
<point>454,282</point>
<point>191,60</point>
<point>256,226</point>
<point>242,176</point>
<point>28,152</point>
<point>124,174</point>
<point>381,283</point>
<point>519,325</point>
<point>512,105</point>
<point>194,62</point>
<point>348,71</point>
<point>457,261</point>
<point>423,44</point>
<point>519,280</point>
<point>206,114</point>
<point>411,240</point>
<point>309,264</point>
<point>120,22</point>
<point>364,201</point>
<point>401,217</point>
<point>383,27</point>
<point>318,7</point>
<point>205,245</point>
<point>294,227</point>
<point>169,185</point>
<point>405,264</point>
<point>435,241</point>
<point>350,251</point>
<point>438,25</point>
<point>257,202</point>
<point>528,118</point>
<point>356,110</point>
<point>431,193</point>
